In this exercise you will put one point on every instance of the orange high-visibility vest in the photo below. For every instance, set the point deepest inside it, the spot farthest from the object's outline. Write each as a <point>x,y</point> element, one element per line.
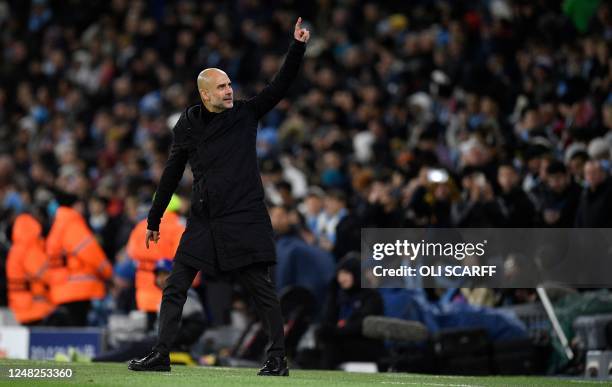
<point>26,268</point>
<point>148,295</point>
<point>78,264</point>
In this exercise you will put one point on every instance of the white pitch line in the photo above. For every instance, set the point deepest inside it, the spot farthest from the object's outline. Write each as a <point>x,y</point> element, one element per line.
<point>434,384</point>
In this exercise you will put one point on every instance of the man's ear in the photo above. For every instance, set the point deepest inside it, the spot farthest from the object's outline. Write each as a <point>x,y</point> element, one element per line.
<point>204,95</point>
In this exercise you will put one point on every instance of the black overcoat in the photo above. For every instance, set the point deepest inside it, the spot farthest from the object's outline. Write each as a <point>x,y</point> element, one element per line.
<point>228,225</point>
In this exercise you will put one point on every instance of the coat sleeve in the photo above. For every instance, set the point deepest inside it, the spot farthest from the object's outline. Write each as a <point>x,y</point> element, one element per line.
<point>172,174</point>
<point>36,265</point>
<point>275,91</point>
<point>91,253</point>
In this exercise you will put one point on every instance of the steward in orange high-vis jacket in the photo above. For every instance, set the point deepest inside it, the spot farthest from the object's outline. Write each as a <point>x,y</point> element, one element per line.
<point>148,295</point>
<point>79,265</point>
<point>26,268</point>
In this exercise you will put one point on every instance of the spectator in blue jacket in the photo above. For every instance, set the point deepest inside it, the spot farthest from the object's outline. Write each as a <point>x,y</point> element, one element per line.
<point>299,263</point>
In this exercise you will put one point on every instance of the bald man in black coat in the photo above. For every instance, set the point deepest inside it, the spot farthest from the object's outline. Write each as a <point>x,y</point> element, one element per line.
<point>228,231</point>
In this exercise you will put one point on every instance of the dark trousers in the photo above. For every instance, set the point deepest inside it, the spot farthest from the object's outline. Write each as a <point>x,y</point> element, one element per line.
<point>255,279</point>
<point>151,318</point>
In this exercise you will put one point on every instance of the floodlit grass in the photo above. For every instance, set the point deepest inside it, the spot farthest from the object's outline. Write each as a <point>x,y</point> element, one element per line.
<point>117,374</point>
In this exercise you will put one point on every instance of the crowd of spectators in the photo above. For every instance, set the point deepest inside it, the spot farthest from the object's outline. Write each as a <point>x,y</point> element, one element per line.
<point>423,113</point>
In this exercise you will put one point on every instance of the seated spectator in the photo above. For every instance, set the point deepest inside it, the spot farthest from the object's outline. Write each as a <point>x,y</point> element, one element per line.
<point>339,337</point>
<point>559,199</point>
<point>297,262</point>
<point>313,208</point>
<point>431,203</point>
<point>517,209</point>
<point>123,288</point>
<point>382,206</point>
<point>339,230</point>
<point>576,158</point>
<point>478,207</point>
<point>595,204</point>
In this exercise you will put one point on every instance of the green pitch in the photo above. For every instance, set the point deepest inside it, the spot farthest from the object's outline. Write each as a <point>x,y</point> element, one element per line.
<point>114,374</point>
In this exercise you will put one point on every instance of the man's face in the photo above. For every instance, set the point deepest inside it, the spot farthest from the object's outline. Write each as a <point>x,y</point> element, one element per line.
<point>507,178</point>
<point>217,91</point>
<point>593,174</point>
<point>576,167</point>
<point>333,205</point>
<point>557,182</point>
<point>314,204</point>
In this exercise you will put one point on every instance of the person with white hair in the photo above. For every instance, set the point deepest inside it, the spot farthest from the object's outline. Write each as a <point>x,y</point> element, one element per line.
<point>596,201</point>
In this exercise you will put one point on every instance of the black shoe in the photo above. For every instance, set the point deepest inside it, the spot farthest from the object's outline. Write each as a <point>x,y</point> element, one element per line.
<point>274,366</point>
<point>154,361</point>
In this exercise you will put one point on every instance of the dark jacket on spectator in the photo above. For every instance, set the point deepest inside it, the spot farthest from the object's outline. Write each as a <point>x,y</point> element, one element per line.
<point>340,336</point>
<point>228,226</point>
<point>346,309</point>
<point>517,208</point>
<point>436,213</point>
<point>565,202</point>
<point>595,206</point>
<point>477,214</point>
<point>348,236</point>
<point>375,215</point>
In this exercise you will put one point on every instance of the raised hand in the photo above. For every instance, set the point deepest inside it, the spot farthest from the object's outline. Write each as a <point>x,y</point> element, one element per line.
<point>300,33</point>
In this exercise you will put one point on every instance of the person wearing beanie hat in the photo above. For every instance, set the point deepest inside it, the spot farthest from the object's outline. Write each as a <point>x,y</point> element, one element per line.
<point>340,337</point>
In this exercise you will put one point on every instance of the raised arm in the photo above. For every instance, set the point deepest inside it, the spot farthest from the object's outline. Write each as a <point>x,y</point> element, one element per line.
<point>276,90</point>
<point>173,171</point>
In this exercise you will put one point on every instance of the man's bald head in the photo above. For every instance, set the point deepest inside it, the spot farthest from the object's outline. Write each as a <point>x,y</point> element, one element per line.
<point>209,75</point>
<point>215,89</point>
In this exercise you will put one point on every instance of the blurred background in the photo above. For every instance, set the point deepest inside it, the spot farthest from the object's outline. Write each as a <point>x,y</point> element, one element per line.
<point>490,113</point>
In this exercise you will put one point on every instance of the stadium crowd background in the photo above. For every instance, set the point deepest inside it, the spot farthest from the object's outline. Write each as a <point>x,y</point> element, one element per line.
<point>421,113</point>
